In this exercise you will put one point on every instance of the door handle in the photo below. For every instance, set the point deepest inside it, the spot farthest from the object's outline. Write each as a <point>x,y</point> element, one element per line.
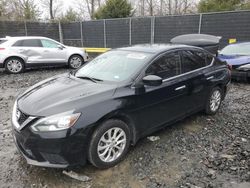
<point>180,88</point>
<point>210,78</point>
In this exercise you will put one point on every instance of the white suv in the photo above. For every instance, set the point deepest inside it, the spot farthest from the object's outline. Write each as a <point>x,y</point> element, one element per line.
<point>19,53</point>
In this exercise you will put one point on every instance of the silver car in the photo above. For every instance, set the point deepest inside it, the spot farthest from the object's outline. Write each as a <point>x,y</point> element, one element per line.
<point>19,53</point>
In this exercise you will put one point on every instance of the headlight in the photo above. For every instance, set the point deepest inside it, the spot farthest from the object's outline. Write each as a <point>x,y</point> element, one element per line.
<point>244,67</point>
<point>55,123</point>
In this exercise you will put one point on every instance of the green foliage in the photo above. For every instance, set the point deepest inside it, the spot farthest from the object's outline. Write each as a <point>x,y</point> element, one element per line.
<point>222,5</point>
<point>70,16</point>
<point>30,10</point>
<point>19,10</point>
<point>114,9</point>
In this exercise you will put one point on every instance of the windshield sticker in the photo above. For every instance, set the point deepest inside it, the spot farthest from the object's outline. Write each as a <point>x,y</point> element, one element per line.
<point>136,56</point>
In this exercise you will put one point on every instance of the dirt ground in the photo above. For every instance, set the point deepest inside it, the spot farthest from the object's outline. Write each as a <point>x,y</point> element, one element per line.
<point>200,151</point>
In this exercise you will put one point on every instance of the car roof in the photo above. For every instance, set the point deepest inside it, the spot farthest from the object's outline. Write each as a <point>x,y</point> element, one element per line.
<point>21,37</point>
<point>155,48</point>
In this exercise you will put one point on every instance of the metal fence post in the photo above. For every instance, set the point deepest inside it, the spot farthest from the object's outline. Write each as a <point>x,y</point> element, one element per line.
<point>25,28</point>
<point>200,22</point>
<point>130,31</point>
<point>152,30</point>
<point>60,32</point>
<point>81,33</point>
<point>104,34</point>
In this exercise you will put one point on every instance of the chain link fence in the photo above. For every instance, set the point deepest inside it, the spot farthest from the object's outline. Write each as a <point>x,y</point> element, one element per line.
<point>113,33</point>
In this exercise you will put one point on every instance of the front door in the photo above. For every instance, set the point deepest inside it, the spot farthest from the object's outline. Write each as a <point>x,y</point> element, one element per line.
<point>52,54</point>
<point>164,103</point>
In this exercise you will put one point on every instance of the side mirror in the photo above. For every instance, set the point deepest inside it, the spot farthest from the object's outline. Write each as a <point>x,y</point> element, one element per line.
<point>152,80</point>
<point>60,47</point>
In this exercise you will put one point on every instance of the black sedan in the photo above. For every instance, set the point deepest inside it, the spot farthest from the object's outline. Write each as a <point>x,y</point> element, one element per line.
<point>95,113</point>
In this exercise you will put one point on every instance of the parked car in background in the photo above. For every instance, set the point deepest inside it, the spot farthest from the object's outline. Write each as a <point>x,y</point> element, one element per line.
<point>20,53</point>
<point>98,111</point>
<point>238,56</point>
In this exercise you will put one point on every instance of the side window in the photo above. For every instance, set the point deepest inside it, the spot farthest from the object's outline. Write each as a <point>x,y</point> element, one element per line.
<point>192,60</point>
<point>31,43</point>
<point>28,43</point>
<point>49,43</point>
<point>18,43</point>
<point>166,66</point>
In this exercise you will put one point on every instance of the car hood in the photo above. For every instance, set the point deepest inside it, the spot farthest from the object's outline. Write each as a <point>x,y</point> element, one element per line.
<point>234,59</point>
<point>61,94</point>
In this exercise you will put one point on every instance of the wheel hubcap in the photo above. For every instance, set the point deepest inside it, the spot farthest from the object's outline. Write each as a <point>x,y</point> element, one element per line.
<point>215,100</point>
<point>111,145</point>
<point>14,66</point>
<point>75,62</point>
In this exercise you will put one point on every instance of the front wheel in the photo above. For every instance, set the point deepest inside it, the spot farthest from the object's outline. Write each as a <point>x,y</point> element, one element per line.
<point>109,144</point>
<point>14,65</point>
<point>75,61</point>
<point>214,101</point>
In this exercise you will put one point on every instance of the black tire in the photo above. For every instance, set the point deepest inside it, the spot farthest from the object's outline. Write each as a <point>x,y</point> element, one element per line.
<point>79,61</point>
<point>93,155</point>
<point>19,63</point>
<point>209,109</point>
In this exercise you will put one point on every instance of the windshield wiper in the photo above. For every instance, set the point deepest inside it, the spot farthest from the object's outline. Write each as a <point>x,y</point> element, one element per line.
<point>89,78</point>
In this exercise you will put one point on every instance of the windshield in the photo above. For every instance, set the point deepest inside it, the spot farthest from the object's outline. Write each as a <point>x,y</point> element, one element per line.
<point>114,66</point>
<point>236,49</point>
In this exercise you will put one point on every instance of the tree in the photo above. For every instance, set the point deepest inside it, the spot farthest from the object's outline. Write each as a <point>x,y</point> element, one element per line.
<point>30,10</point>
<point>91,7</point>
<point>3,9</point>
<point>114,9</point>
<point>87,8</point>
<point>51,10</point>
<point>165,7</point>
<point>19,10</point>
<point>219,5</point>
<point>52,7</point>
<point>70,16</point>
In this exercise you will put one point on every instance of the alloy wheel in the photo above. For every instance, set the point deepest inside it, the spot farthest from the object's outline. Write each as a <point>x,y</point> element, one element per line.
<point>75,62</point>
<point>215,100</point>
<point>14,65</point>
<point>112,144</point>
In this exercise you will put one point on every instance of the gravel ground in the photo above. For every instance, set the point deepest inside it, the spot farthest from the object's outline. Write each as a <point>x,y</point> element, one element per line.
<point>200,151</point>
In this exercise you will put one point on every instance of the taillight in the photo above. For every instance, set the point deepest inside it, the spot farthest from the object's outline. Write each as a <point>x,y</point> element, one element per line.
<point>2,48</point>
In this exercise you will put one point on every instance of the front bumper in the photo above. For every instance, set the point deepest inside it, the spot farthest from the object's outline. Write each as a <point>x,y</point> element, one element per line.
<point>60,149</point>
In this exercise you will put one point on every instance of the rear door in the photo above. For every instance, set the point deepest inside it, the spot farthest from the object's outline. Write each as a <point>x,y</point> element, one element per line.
<point>52,54</point>
<point>194,70</point>
<point>29,48</point>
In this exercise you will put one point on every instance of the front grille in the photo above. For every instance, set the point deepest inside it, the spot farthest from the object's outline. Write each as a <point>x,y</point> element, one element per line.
<point>23,117</point>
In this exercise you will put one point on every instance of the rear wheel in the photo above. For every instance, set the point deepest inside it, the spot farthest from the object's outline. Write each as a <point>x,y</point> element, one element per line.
<point>214,101</point>
<point>14,65</point>
<point>75,61</point>
<point>109,144</point>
